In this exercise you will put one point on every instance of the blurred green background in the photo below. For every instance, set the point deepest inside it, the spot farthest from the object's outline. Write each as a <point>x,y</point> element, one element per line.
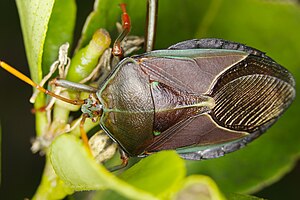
<point>21,170</point>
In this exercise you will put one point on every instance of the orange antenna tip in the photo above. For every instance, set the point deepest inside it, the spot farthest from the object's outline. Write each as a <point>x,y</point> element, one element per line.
<point>27,80</point>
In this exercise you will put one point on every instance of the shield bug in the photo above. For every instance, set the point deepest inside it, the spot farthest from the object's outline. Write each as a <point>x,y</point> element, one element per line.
<point>203,98</point>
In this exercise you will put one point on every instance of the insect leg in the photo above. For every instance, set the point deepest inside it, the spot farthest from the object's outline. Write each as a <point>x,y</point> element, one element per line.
<point>124,163</point>
<point>83,133</point>
<point>117,49</point>
<point>73,86</point>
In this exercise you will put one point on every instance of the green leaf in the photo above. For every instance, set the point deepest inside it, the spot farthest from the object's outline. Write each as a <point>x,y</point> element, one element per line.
<point>45,23</point>
<point>107,194</point>
<point>35,16</point>
<point>192,187</point>
<point>51,187</point>
<point>179,22</point>
<point>76,167</point>
<point>60,30</point>
<point>158,174</point>
<point>45,27</point>
<point>235,196</point>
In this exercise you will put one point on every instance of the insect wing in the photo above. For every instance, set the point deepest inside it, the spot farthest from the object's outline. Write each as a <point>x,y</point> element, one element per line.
<point>189,70</point>
<point>250,92</point>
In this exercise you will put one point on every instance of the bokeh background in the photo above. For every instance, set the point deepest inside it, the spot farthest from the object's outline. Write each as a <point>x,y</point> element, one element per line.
<point>20,169</point>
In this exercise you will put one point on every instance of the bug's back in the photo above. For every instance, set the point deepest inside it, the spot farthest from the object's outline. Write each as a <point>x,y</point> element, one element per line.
<point>250,91</point>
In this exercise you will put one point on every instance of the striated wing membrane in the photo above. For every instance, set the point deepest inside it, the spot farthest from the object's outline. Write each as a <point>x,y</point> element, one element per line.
<point>251,94</point>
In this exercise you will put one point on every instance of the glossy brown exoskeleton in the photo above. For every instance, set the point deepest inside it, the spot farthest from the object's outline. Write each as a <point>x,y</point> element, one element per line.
<point>203,98</point>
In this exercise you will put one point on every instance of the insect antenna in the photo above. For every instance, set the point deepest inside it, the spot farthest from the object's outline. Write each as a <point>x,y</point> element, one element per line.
<point>27,80</point>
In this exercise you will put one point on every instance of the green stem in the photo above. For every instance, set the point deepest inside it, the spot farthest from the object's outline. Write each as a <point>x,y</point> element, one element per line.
<point>40,117</point>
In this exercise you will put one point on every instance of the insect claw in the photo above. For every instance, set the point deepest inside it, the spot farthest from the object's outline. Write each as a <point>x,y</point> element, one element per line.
<point>124,163</point>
